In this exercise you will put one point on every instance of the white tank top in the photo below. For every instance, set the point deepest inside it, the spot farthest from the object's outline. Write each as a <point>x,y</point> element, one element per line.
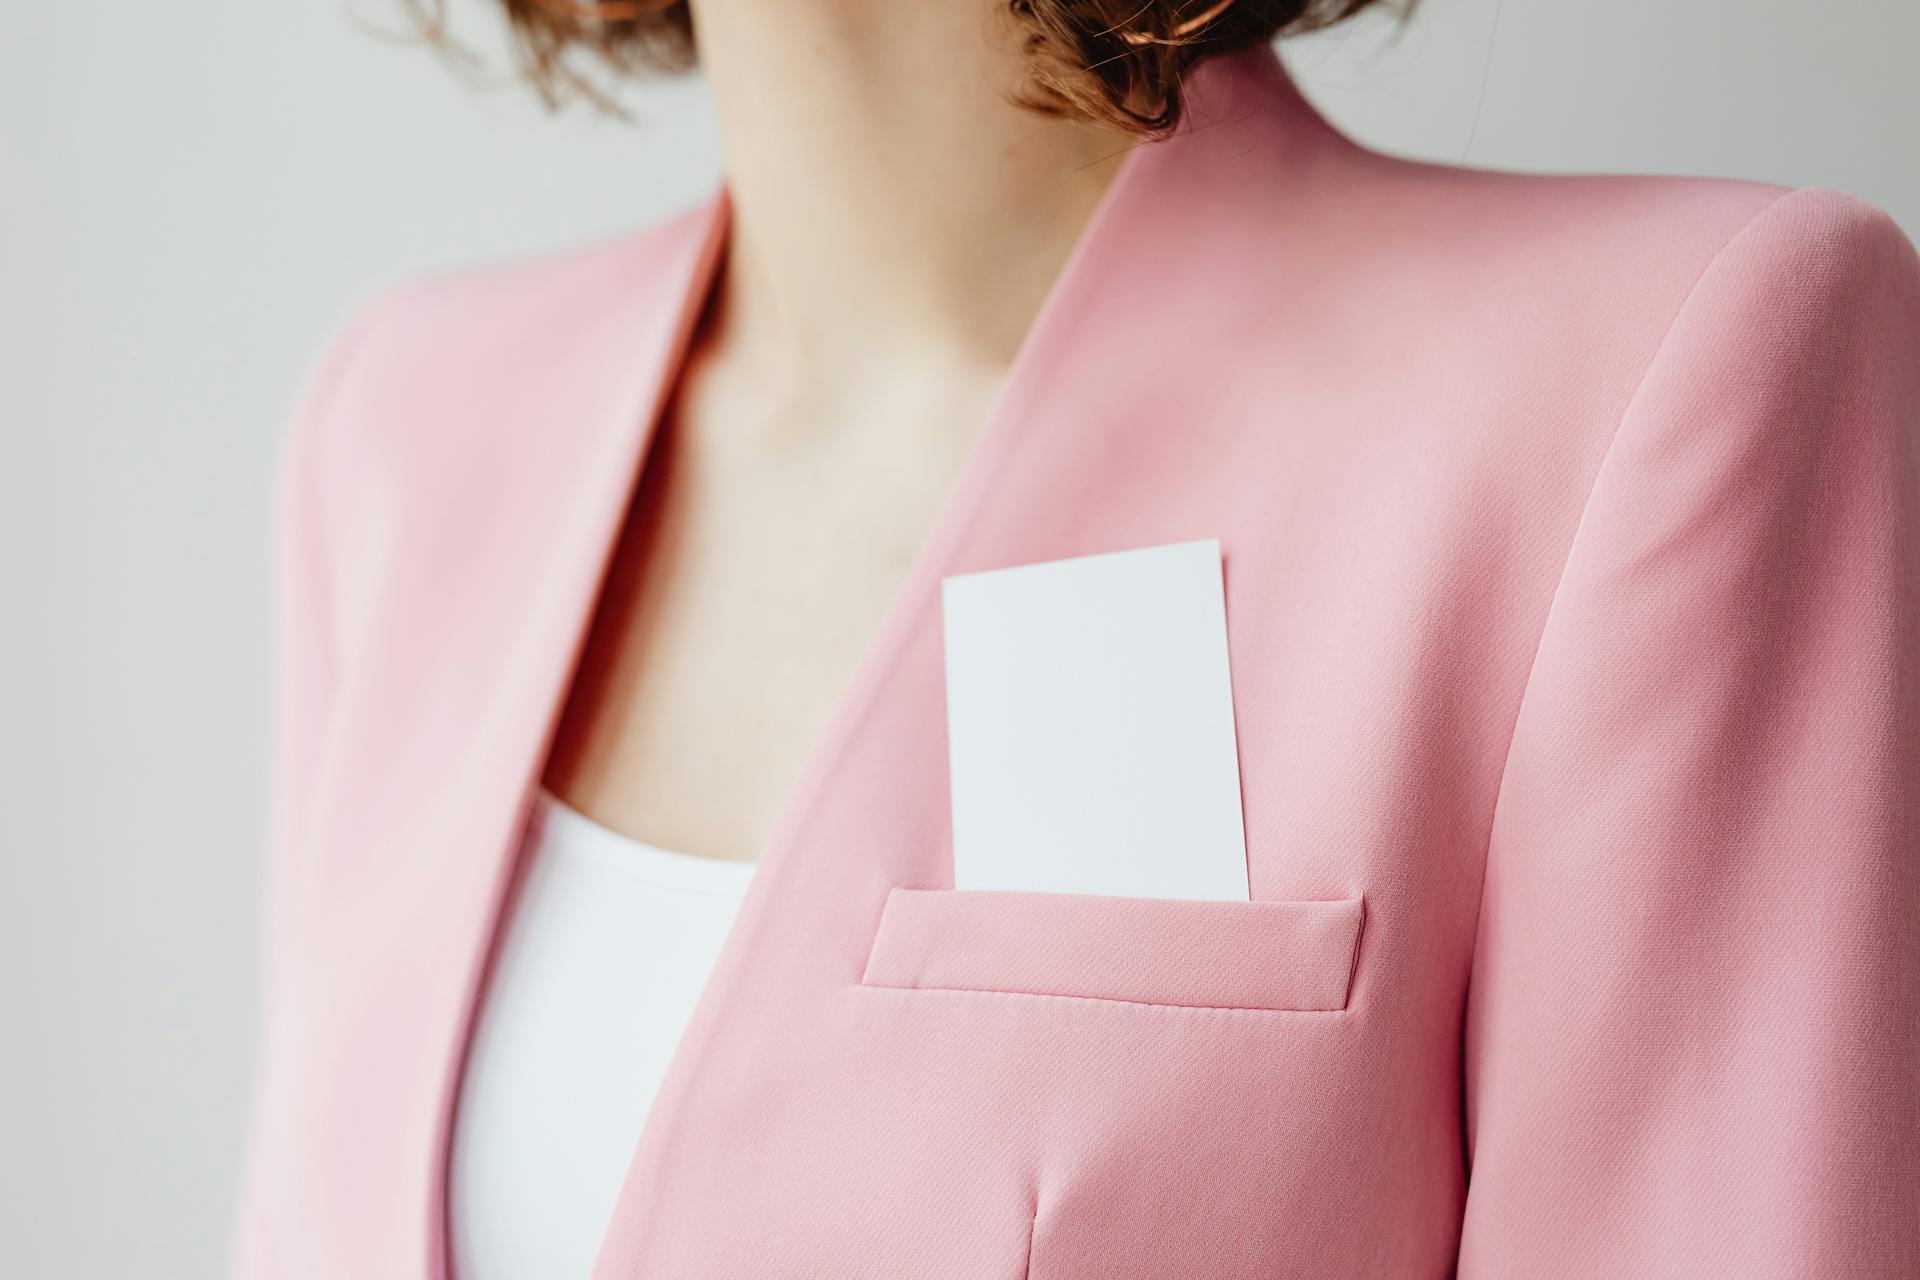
<point>607,948</point>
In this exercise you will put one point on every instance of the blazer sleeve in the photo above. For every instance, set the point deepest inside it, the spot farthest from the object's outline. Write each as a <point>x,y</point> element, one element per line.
<point>303,676</point>
<point>1693,1020</point>
<point>304,644</point>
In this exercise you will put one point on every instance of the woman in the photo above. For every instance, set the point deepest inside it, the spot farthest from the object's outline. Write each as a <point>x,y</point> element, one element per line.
<point>1572,551</point>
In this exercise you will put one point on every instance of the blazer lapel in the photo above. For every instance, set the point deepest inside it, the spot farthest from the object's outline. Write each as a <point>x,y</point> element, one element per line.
<point>624,360</point>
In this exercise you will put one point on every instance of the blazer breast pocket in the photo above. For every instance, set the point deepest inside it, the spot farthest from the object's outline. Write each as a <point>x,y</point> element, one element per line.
<point>1280,955</point>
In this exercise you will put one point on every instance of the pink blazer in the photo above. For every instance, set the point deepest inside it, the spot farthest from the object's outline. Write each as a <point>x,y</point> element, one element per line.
<point>1572,537</point>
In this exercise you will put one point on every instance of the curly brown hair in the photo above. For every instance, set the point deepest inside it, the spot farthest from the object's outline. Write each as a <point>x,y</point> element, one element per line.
<point>1116,62</point>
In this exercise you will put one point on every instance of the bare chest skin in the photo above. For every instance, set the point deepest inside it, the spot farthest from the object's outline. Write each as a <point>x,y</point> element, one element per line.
<point>768,535</point>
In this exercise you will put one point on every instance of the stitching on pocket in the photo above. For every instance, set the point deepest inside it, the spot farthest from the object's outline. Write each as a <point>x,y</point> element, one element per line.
<point>1256,1011</point>
<point>1267,956</point>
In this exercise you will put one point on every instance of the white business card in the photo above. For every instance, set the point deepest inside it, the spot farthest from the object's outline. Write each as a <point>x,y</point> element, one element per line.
<point>1090,727</point>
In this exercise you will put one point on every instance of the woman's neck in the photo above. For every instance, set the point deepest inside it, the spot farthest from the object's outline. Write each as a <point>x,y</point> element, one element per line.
<point>889,198</point>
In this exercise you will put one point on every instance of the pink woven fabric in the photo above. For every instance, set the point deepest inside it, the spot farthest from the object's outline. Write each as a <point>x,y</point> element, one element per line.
<point>1572,533</point>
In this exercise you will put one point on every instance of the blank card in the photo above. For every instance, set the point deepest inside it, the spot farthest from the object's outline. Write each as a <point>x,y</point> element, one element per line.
<point>1090,727</point>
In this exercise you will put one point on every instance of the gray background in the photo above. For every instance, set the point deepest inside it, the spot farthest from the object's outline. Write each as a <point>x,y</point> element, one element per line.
<point>190,196</point>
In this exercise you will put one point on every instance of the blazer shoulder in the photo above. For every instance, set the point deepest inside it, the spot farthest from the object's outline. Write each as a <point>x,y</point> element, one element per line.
<point>1807,321</point>
<point>442,312</point>
<point>1808,281</point>
<point>1639,251</point>
<point>415,360</point>
<point>1815,250</point>
<point>1632,227</point>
